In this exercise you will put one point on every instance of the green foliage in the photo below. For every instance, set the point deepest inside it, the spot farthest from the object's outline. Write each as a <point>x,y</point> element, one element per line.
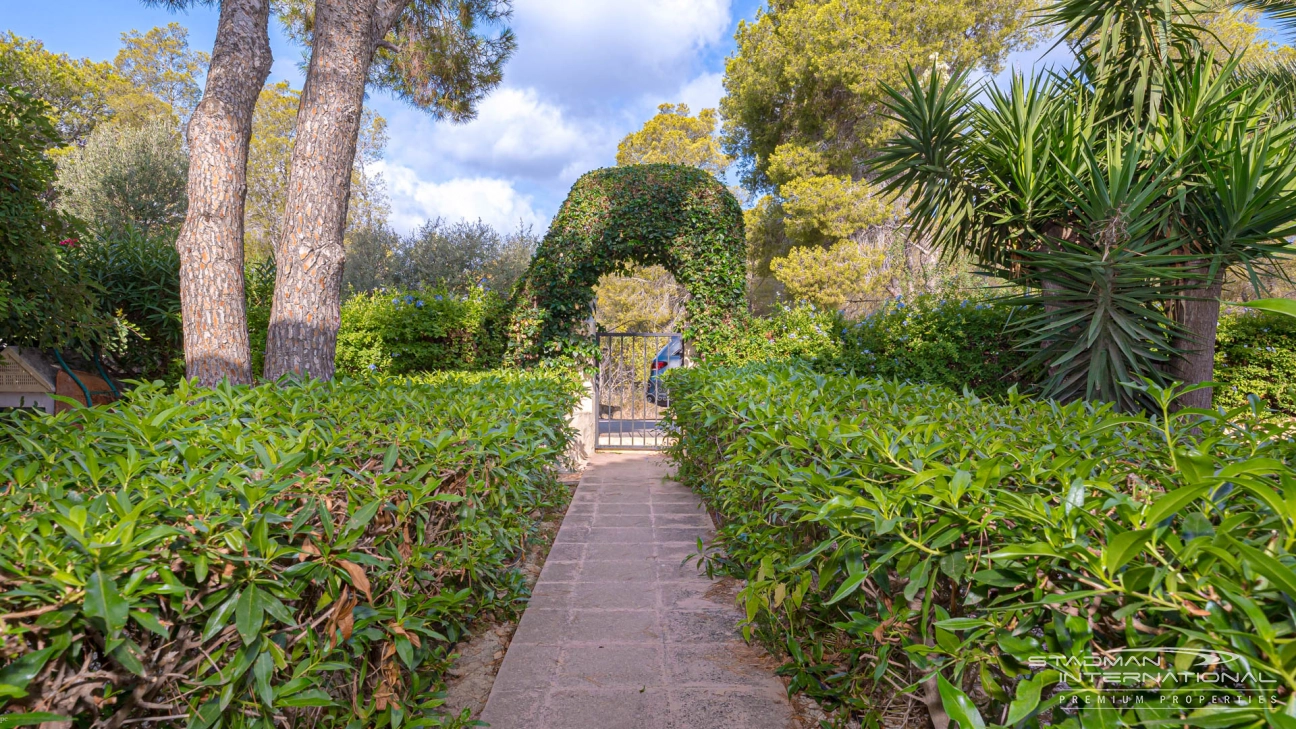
<point>674,216</point>
<point>810,74</point>
<point>957,344</point>
<point>395,331</point>
<point>1255,354</point>
<point>1117,195</point>
<point>45,299</point>
<point>161,64</point>
<point>442,57</point>
<point>462,257</point>
<point>138,276</point>
<point>127,177</point>
<point>891,533</point>
<point>258,293</point>
<point>641,299</point>
<point>802,332</point>
<point>73,89</point>
<point>304,553</point>
<point>676,137</point>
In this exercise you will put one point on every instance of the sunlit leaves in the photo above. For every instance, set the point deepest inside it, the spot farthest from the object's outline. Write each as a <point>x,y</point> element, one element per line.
<point>281,541</point>
<point>991,542</point>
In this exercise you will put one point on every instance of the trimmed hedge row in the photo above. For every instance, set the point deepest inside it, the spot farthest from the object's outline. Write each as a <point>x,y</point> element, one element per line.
<point>957,344</point>
<point>903,540</point>
<point>298,555</point>
<point>405,332</point>
<point>1255,354</point>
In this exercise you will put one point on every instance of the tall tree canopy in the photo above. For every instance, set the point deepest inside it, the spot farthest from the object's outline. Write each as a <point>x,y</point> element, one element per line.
<point>676,137</point>
<point>803,113</point>
<point>160,63</point>
<point>804,91</point>
<point>73,89</point>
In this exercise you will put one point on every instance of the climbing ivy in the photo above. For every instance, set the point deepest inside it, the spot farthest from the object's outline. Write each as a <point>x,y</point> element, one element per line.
<point>678,217</point>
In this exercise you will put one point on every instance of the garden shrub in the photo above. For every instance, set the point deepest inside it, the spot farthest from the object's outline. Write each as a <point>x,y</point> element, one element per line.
<point>1255,354</point>
<point>139,279</point>
<point>46,300</point>
<point>395,331</point>
<point>958,344</point>
<point>801,332</point>
<point>300,555</point>
<point>901,538</point>
<point>258,292</point>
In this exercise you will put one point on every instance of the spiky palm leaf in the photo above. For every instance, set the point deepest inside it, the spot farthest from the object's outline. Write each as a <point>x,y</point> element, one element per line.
<point>1110,194</point>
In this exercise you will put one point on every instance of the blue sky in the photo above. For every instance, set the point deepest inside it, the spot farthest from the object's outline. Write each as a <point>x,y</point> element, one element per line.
<point>586,73</point>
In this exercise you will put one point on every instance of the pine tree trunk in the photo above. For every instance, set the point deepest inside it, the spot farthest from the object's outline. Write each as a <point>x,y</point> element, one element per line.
<point>309,254</point>
<point>1199,316</point>
<point>213,309</point>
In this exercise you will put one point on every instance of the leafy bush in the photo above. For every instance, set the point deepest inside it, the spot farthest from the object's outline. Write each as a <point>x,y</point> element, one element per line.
<point>252,557</point>
<point>1255,354</point>
<point>127,178</point>
<point>901,538</point>
<point>45,299</point>
<point>957,344</point>
<point>802,332</point>
<point>139,279</point>
<point>401,332</point>
<point>258,292</point>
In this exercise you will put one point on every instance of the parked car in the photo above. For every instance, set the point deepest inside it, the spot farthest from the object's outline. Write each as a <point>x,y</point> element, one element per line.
<point>668,357</point>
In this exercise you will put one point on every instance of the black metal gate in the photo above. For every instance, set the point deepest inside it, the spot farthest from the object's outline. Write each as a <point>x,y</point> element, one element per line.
<point>628,394</point>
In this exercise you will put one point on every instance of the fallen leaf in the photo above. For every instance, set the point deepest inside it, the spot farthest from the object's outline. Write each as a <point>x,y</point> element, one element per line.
<point>358,577</point>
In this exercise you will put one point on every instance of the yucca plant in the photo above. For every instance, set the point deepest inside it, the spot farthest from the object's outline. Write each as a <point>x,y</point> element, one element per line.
<point>1116,195</point>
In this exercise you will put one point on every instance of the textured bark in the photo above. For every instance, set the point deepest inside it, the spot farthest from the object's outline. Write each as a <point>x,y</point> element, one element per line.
<point>211,242</point>
<point>1199,316</point>
<point>309,254</point>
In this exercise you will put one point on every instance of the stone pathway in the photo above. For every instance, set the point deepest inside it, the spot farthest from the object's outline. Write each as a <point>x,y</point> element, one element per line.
<point>619,634</point>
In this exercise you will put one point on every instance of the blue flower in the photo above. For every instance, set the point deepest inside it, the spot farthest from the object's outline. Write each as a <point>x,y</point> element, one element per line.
<point>437,297</point>
<point>409,299</point>
<point>396,301</point>
<point>373,367</point>
<point>419,303</point>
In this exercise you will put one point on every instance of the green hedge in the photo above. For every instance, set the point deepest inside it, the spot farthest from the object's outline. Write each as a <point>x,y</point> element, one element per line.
<point>957,344</point>
<point>890,534</point>
<point>298,556</point>
<point>1255,354</point>
<point>403,332</point>
<point>801,332</point>
<point>139,279</point>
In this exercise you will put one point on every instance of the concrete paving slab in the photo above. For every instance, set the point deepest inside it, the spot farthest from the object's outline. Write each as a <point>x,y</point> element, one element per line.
<point>620,633</point>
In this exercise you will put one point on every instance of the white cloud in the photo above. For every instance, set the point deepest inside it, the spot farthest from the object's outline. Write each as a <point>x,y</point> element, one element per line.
<point>415,201</point>
<point>703,92</point>
<point>587,51</point>
<point>515,134</point>
<point>587,72</point>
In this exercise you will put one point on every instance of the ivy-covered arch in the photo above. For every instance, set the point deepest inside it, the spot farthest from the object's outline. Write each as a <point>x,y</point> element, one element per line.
<point>675,216</point>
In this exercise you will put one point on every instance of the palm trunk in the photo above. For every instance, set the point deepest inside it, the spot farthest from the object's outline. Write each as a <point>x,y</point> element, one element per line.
<point>1199,317</point>
<point>309,254</point>
<point>211,241</point>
